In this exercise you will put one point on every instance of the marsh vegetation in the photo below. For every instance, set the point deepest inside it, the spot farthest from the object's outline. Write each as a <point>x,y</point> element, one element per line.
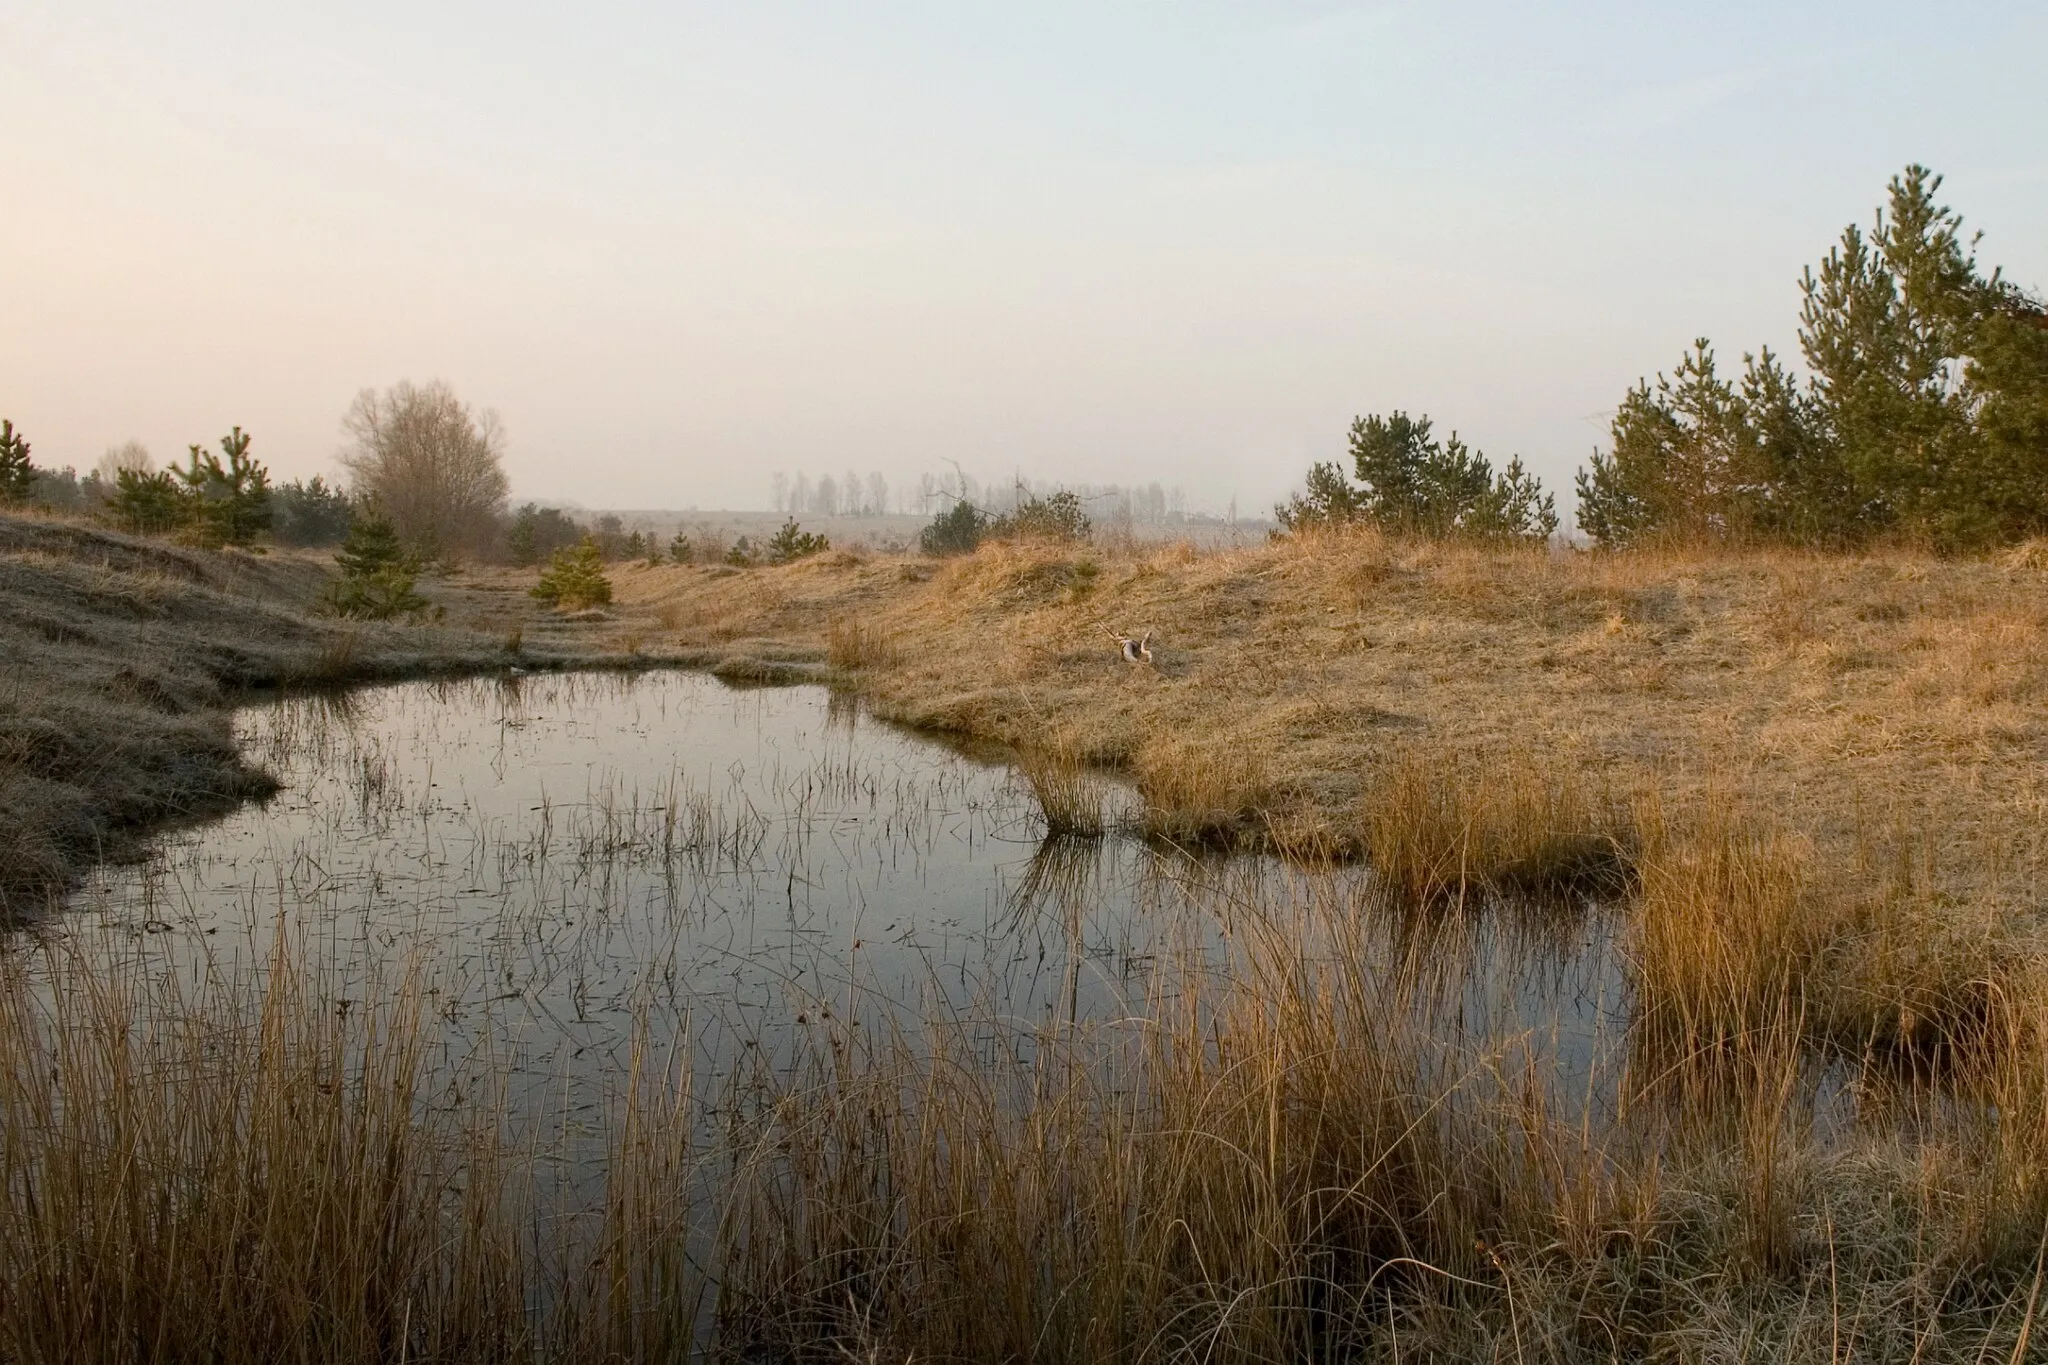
<point>1433,942</point>
<point>594,1018</point>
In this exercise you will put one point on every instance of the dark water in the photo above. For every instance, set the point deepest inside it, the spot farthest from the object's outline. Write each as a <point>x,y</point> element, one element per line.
<point>569,863</point>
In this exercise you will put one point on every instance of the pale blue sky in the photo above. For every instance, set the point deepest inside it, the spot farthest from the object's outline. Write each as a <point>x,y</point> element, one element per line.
<point>678,246</point>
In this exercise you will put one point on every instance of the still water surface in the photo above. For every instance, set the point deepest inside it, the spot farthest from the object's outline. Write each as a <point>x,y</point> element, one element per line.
<point>566,864</point>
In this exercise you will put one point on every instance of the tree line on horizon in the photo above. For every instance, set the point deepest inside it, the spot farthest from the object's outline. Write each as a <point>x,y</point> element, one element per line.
<point>857,495</point>
<point>1922,417</point>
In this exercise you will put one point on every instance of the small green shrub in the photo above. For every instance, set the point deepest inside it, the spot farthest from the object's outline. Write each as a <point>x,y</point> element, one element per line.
<point>955,531</point>
<point>378,574</point>
<point>1057,516</point>
<point>17,475</point>
<point>742,554</point>
<point>681,550</point>
<point>146,502</point>
<point>229,500</point>
<point>574,578</point>
<point>792,542</point>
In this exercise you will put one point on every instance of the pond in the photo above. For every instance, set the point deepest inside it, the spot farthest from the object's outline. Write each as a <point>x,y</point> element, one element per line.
<point>567,866</point>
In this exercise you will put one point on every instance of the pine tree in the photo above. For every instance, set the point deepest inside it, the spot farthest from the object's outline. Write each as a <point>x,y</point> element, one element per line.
<point>379,576</point>
<point>1883,324</point>
<point>1925,411</point>
<point>792,542</point>
<point>1514,506</point>
<point>574,578</point>
<point>1329,499</point>
<point>232,499</point>
<point>372,545</point>
<point>148,502</point>
<point>17,474</point>
<point>1411,482</point>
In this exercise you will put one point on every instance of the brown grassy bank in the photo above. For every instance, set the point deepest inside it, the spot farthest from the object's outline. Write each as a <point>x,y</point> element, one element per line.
<point>1892,699</point>
<point>120,658</point>
<point>1814,769</point>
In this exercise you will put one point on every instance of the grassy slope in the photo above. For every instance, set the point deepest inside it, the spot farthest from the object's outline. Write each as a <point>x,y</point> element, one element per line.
<point>1890,700</point>
<point>120,658</point>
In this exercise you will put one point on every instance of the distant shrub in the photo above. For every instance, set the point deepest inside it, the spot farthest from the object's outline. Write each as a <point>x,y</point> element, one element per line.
<point>610,536</point>
<point>310,512</point>
<point>147,502</point>
<point>681,550</point>
<point>574,578</point>
<point>1410,481</point>
<point>955,531</point>
<point>61,490</point>
<point>1056,516</point>
<point>537,532</point>
<point>742,555</point>
<point>17,474</point>
<point>792,542</point>
<point>378,574</point>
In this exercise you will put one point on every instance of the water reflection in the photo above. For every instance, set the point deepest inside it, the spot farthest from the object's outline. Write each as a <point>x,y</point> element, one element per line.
<point>575,865</point>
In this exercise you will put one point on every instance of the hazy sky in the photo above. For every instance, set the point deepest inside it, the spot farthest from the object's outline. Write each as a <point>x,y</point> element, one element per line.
<point>681,246</point>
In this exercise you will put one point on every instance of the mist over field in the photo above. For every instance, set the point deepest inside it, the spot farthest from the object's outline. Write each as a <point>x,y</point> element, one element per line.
<point>679,249</point>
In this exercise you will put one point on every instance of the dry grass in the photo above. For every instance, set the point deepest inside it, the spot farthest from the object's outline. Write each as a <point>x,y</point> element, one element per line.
<point>1201,791</point>
<point>1463,715</point>
<point>1282,1165</point>
<point>1815,781</point>
<point>1515,823</point>
<point>1726,931</point>
<point>121,657</point>
<point>1276,1161</point>
<point>201,1176</point>
<point>852,645</point>
<point>1071,796</point>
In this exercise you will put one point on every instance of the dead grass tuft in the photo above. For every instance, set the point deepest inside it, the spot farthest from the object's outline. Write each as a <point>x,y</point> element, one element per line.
<point>853,645</point>
<point>1726,928</point>
<point>1202,792</point>
<point>2028,554</point>
<point>1070,795</point>
<point>201,1176</point>
<point>1514,822</point>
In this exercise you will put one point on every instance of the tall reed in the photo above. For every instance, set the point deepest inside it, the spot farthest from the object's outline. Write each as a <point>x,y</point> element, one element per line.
<point>853,644</point>
<point>1070,796</point>
<point>1441,824</point>
<point>200,1173</point>
<point>1202,790</point>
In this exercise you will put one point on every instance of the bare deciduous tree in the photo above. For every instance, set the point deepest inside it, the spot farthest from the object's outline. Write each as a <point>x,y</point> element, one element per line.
<point>432,467</point>
<point>128,455</point>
